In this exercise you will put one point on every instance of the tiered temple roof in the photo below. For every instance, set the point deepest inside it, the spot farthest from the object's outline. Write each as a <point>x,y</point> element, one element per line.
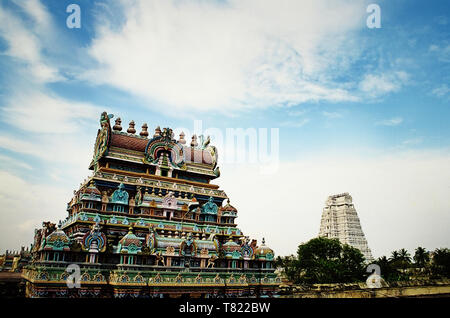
<point>148,222</point>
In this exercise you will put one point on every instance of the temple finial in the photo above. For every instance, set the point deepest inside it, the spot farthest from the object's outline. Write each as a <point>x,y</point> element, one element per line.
<point>117,126</point>
<point>144,132</point>
<point>131,129</point>
<point>182,140</point>
<point>194,142</point>
<point>157,132</point>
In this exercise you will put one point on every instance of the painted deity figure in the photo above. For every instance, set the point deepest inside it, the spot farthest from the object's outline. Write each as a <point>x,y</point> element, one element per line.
<point>244,240</point>
<point>210,206</point>
<point>104,122</point>
<point>151,239</point>
<point>105,198</point>
<point>138,196</point>
<point>120,195</point>
<point>95,228</point>
<point>189,239</point>
<point>103,136</point>
<point>48,228</point>
<point>104,118</point>
<point>167,133</point>
<point>211,261</point>
<point>37,239</point>
<point>188,246</point>
<point>159,259</point>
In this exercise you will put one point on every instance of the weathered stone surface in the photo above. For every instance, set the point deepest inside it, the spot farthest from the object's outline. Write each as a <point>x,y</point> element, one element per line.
<point>432,288</point>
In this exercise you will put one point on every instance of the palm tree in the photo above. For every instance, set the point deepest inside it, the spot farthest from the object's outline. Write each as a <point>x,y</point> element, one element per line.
<point>421,256</point>
<point>400,259</point>
<point>395,256</point>
<point>405,256</point>
<point>382,261</point>
<point>441,262</point>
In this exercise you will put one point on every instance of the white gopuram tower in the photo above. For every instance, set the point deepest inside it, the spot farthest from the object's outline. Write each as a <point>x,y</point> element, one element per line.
<point>340,220</point>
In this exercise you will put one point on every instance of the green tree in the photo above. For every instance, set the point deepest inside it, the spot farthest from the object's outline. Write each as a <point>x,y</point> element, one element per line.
<point>404,256</point>
<point>405,259</point>
<point>441,263</point>
<point>288,266</point>
<point>323,260</point>
<point>383,262</point>
<point>352,264</point>
<point>395,256</point>
<point>421,257</point>
<point>388,270</point>
<point>394,267</point>
<point>400,259</point>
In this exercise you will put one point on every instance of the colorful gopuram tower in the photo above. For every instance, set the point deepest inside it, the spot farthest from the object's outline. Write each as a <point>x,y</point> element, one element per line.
<point>148,223</point>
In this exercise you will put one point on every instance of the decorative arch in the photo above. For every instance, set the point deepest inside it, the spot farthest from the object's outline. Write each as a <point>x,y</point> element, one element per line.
<point>165,144</point>
<point>94,235</point>
<point>99,237</point>
<point>247,252</point>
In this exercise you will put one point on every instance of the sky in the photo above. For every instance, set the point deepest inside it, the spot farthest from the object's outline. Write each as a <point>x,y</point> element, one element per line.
<point>358,109</point>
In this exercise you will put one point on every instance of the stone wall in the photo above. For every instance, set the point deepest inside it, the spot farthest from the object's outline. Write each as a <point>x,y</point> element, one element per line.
<point>429,288</point>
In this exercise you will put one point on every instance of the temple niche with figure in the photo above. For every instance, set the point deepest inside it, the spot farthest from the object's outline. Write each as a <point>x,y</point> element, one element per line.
<point>148,222</point>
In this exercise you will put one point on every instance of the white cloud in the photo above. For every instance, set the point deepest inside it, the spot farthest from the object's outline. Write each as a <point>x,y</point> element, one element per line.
<point>42,124</point>
<point>25,45</point>
<point>397,208</point>
<point>440,91</point>
<point>295,123</point>
<point>413,141</point>
<point>442,51</point>
<point>375,85</point>
<point>8,161</point>
<point>25,206</point>
<point>42,112</point>
<point>390,122</point>
<point>54,135</point>
<point>297,113</point>
<point>239,54</point>
<point>332,115</point>
<point>433,48</point>
<point>37,11</point>
<point>69,155</point>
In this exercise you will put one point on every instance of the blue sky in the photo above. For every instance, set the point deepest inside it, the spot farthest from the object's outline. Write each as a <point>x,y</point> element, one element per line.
<point>336,89</point>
